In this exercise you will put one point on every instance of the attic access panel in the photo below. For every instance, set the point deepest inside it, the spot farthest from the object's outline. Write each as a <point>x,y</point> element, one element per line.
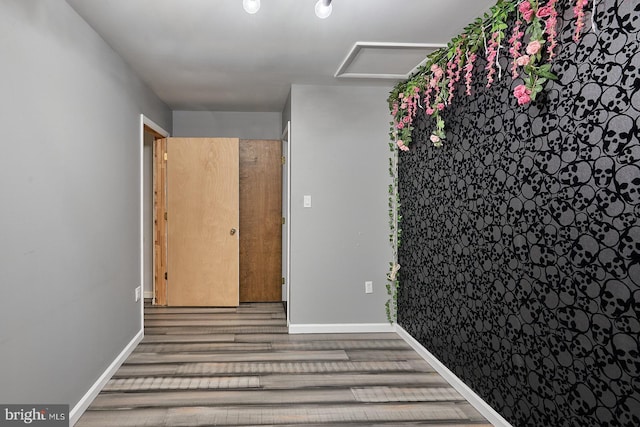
<point>394,61</point>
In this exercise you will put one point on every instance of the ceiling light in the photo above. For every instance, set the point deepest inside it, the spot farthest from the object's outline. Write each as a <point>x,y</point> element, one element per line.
<point>251,6</point>
<point>323,8</point>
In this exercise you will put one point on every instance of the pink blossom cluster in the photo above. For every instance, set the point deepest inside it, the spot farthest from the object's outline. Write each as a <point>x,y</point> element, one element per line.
<point>532,48</point>
<point>401,145</point>
<point>427,97</point>
<point>403,106</point>
<point>549,11</point>
<point>454,69</point>
<point>491,57</point>
<point>394,110</point>
<point>516,44</point>
<point>412,103</point>
<point>468,75</point>
<point>434,86</point>
<point>578,11</point>
<point>526,11</point>
<point>522,94</point>
<point>549,15</point>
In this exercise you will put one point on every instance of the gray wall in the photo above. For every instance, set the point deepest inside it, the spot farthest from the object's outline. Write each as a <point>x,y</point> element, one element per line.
<point>70,191</point>
<point>229,124</point>
<point>339,156</point>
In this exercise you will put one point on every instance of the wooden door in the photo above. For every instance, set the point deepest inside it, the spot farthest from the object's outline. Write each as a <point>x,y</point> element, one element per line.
<point>202,225</point>
<point>260,220</point>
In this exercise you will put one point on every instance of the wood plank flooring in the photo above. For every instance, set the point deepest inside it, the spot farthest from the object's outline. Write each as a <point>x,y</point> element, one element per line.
<point>239,367</point>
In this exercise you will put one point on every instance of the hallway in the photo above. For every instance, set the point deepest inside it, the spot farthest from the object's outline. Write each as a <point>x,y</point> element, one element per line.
<point>238,366</point>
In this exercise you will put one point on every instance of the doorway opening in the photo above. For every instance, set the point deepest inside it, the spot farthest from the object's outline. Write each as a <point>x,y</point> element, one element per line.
<point>150,132</point>
<point>258,189</point>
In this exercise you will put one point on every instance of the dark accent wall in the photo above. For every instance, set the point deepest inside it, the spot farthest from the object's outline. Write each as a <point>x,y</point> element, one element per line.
<point>521,235</point>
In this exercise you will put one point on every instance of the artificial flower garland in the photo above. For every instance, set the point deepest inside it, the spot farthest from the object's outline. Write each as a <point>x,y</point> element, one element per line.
<point>435,83</point>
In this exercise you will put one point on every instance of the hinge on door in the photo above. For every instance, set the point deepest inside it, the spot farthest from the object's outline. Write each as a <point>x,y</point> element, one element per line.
<point>165,157</point>
<point>283,281</point>
<point>283,220</point>
<point>284,160</point>
<point>165,216</point>
<point>165,275</point>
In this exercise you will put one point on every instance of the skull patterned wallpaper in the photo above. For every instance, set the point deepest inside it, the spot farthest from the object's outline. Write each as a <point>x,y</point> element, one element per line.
<point>521,235</point>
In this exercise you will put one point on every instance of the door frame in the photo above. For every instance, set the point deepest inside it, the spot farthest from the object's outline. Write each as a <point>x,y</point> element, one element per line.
<point>158,132</point>
<point>286,213</point>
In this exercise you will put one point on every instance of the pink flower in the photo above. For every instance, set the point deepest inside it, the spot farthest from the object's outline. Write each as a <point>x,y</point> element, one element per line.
<point>550,28</point>
<point>545,11</point>
<point>406,119</point>
<point>522,94</point>
<point>523,60</point>
<point>430,111</point>
<point>451,72</point>
<point>401,145</point>
<point>491,57</point>
<point>440,106</point>
<point>526,11</point>
<point>427,96</point>
<point>433,83</point>
<point>416,89</point>
<point>468,68</point>
<point>437,71</point>
<point>578,12</point>
<point>454,69</point>
<point>533,47</point>
<point>435,138</point>
<point>401,95</point>
<point>514,50</point>
<point>400,125</point>
<point>524,6</point>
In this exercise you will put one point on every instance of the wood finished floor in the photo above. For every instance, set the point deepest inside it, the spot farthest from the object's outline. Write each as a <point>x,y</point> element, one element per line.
<point>239,367</point>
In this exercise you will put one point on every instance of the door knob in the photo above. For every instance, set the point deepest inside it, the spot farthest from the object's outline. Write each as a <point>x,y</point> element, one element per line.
<point>233,231</point>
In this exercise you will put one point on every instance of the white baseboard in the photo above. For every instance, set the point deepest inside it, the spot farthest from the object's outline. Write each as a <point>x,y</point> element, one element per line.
<point>83,404</point>
<point>476,401</point>
<point>148,294</point>
<point>340,328</point>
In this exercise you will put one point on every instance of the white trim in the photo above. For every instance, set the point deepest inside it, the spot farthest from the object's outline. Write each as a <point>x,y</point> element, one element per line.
<point>95,389</point>
<point>148,294</point>
<point>340,328</point>
<point>153,125</point>
<point>476,401</point>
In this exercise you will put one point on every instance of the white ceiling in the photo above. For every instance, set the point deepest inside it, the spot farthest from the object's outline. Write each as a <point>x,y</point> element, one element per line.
<point>212,55</point>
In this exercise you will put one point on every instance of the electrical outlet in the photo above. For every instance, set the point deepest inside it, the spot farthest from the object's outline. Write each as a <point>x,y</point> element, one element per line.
<point>138,293</point>
<point>368,287</point>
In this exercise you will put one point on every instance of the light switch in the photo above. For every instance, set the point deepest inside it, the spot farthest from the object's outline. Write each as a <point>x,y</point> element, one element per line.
<point>307,201</point>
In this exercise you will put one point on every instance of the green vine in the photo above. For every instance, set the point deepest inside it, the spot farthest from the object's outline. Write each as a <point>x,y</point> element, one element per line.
<point>393,283</point>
